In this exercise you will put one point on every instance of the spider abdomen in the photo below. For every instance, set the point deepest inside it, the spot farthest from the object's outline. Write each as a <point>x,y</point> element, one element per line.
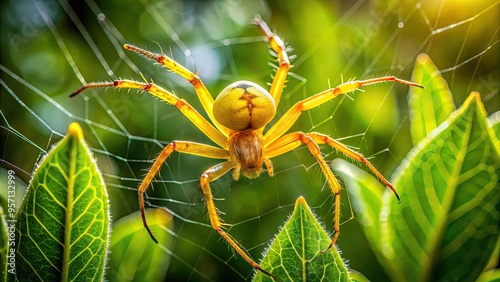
<point>244,105</point>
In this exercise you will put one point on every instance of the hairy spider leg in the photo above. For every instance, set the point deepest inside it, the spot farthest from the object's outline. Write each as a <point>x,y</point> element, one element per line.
<point>279,47</point>
<point>283,145</point>
<point>201,90</point>
<point>293,140</point>
<point>211,175</point>
<point>196,118</point>
<point>186,147</point>
<point>289,118</point>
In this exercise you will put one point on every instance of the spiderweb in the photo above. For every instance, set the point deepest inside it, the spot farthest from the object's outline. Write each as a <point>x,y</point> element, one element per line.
<point>50,48</point>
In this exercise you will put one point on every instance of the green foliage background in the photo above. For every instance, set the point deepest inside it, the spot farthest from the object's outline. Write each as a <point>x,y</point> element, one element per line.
<point>331,40</point>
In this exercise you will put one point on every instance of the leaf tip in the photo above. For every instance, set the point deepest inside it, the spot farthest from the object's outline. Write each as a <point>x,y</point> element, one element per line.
<point>75,130</point>
<point>422,58</point>
<point>474,98</point>
<point>300,201</point>
<point>475,95</point>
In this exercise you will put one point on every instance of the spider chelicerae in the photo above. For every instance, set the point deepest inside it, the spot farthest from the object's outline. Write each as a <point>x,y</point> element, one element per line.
<point>238,117</point>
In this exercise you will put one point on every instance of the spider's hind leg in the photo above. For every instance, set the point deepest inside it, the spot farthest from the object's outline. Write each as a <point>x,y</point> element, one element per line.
<point>289,142</point>
<point>208,176</point>
<point>182,147</point>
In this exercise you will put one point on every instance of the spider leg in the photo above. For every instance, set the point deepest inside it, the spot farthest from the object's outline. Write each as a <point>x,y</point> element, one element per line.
<point>208,176</point>
<point>289,118</point>
<point>325,139</point>
<point>284,145</point>
<point>207,128</point>
<point>182,147</point>
<point>279,47</point>
<point>293,140</point>
<point>201,90</point>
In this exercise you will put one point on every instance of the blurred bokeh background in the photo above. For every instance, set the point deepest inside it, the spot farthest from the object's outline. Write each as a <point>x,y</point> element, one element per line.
<point>50,48</point>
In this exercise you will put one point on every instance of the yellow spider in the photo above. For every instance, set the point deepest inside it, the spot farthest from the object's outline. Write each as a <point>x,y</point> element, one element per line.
<point>239,114</point>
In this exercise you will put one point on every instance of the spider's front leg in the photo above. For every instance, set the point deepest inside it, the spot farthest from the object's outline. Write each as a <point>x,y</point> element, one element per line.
<point>201,90</point>
<point>279,47</point>
<point>208,176</point>
<point>184,107</point>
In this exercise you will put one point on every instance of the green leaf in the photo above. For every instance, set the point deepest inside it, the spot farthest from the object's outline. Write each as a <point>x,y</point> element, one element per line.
<point>490,276</point>
<point>495,257</point>
<point>446,227</point>
<point>63,222</point>
<point>430,106</point>
<point>357,276</point>
<point>134,255</point>
<point>494,121</point>
<point>295,253</point>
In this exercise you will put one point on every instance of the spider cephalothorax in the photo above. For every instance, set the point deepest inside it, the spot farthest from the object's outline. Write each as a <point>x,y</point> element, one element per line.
<point>238,115</point>
<point>247,153</point>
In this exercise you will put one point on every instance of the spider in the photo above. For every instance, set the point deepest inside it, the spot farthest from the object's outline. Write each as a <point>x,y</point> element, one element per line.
<point>239,115</point>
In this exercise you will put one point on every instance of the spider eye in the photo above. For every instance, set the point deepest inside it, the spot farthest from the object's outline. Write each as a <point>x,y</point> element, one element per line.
<point>244,105</point>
